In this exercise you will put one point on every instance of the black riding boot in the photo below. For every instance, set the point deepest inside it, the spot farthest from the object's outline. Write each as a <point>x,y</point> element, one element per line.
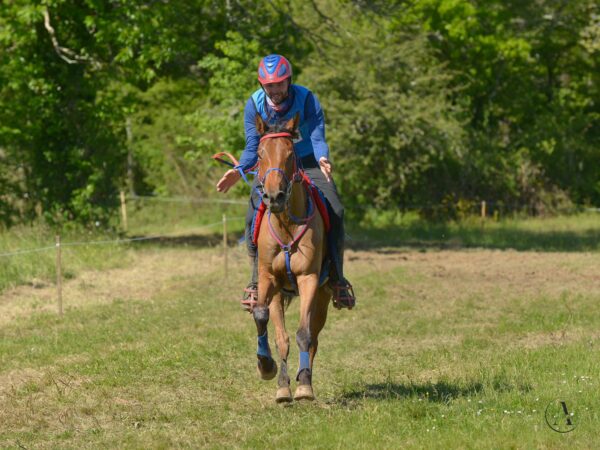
<point>343,294</point>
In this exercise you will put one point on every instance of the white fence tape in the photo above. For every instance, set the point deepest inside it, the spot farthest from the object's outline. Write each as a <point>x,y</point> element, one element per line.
<point>186,200</point>
<point>29,250</point>
<point>104,242</point>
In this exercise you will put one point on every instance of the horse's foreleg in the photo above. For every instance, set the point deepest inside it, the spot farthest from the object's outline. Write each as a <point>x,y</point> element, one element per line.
<point>318,320</point>
<point>282,339</point>
<point>267,368</point>
<point>307,285</point>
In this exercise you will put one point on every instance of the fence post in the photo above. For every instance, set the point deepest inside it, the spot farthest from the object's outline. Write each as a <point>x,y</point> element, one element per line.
<point>225,244</point>
<point>123,212</point>
<point>59,275</point>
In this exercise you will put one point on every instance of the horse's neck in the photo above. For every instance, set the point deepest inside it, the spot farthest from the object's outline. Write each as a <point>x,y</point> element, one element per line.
<point>298,200</point>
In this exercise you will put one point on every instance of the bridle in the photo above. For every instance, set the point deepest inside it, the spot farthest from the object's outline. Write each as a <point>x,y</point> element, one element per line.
<point>296,175</point>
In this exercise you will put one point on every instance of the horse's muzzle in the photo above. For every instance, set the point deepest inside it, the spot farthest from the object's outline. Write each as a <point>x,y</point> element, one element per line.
<point>275,202</point>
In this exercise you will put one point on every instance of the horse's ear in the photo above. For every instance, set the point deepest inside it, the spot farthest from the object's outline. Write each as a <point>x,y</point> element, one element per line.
<point>292,124</point>
<point>261,126</point>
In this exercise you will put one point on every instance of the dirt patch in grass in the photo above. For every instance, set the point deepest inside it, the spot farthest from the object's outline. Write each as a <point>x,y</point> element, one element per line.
<point>433,278</point>
<point>519,272</point>
<point>558,338</point>
<point>433,283</point>
<point>150,272</point>
<point>484,281</point>
<point>470,291</point>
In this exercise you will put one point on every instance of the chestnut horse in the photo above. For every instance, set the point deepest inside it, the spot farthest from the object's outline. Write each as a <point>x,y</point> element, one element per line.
<point>291,248</point>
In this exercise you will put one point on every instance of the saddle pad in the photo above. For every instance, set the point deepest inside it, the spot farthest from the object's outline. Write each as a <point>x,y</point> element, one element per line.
<point>258,216</point>
<point>319,200</point>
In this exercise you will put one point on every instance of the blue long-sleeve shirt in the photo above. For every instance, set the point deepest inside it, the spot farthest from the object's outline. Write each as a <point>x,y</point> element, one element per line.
<point>312,123</point>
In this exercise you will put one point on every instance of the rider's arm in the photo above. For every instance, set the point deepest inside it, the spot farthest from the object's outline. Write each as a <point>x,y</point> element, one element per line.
<point>249,158</point>
<point>316,124</point>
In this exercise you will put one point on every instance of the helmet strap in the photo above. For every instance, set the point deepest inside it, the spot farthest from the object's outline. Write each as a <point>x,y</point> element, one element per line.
<point>271,103</point>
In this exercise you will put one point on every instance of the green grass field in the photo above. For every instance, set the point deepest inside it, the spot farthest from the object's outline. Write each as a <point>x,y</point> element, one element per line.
<point>35,259</point>
<point>461,339</point>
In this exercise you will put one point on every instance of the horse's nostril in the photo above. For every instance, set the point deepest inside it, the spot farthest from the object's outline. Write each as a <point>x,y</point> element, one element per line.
<point>280,197</point>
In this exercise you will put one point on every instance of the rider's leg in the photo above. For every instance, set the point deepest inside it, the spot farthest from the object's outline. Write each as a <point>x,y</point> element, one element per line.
<point>343,294</point>
<point>250,292</point>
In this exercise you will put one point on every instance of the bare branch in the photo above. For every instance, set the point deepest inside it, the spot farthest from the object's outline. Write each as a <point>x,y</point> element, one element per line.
<point>325,18</point>
<point>64,53</point>
<point>318,40</point>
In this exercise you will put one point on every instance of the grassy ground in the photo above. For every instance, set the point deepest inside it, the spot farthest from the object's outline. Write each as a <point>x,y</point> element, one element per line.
<point>28,255</point>
<point>156,216</point>
<point>450,346</point>
<point>579,232</point>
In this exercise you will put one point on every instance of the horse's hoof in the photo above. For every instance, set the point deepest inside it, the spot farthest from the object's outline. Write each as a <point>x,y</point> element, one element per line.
<point>304,392</point>
<point>284,395</point>
<point>266,368</point>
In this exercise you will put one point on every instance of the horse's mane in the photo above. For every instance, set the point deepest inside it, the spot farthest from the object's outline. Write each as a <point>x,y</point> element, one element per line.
<point>279,127</point>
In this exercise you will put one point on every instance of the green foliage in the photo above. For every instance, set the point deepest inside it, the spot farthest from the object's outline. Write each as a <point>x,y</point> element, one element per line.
<point>232,79</point>
<point>528,74</point>
<point>426,101</point>
<point>395,137</point>
<point>160,162</point>
<point>66,71</point>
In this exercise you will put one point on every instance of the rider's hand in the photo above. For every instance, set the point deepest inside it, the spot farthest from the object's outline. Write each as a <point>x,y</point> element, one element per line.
<point>229,179</point>
<point>326,167</point>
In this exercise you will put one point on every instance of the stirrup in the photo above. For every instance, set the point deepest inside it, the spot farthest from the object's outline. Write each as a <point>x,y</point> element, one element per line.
<point>250,298</point>
<point>343,295</point>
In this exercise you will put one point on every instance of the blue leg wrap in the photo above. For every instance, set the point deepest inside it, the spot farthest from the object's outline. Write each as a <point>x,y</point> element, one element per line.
<point>304,361</point>
<point>263,346</point>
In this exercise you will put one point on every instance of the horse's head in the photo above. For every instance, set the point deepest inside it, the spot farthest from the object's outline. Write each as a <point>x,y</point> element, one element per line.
<point>276,162</point>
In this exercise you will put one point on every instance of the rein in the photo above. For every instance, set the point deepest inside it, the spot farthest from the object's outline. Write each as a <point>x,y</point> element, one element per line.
<point>235,164</point>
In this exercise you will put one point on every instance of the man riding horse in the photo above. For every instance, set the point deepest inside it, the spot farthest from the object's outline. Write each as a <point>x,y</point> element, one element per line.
<point>277,101</point>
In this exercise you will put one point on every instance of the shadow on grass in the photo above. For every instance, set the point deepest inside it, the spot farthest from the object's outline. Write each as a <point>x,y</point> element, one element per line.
<point>434,392</point>
<point>440,392</point>
<point>440,236</point>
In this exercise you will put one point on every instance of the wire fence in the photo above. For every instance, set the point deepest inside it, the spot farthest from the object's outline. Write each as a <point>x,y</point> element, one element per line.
<point>470,206</point>
<point>449,207</point>
<point>107,241</point>
<point>59,246</point>
<point>484,209</point>
<point>181,199</point>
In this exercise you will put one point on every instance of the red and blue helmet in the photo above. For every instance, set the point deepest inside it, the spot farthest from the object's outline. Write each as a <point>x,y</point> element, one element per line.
<point>273,69</point>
